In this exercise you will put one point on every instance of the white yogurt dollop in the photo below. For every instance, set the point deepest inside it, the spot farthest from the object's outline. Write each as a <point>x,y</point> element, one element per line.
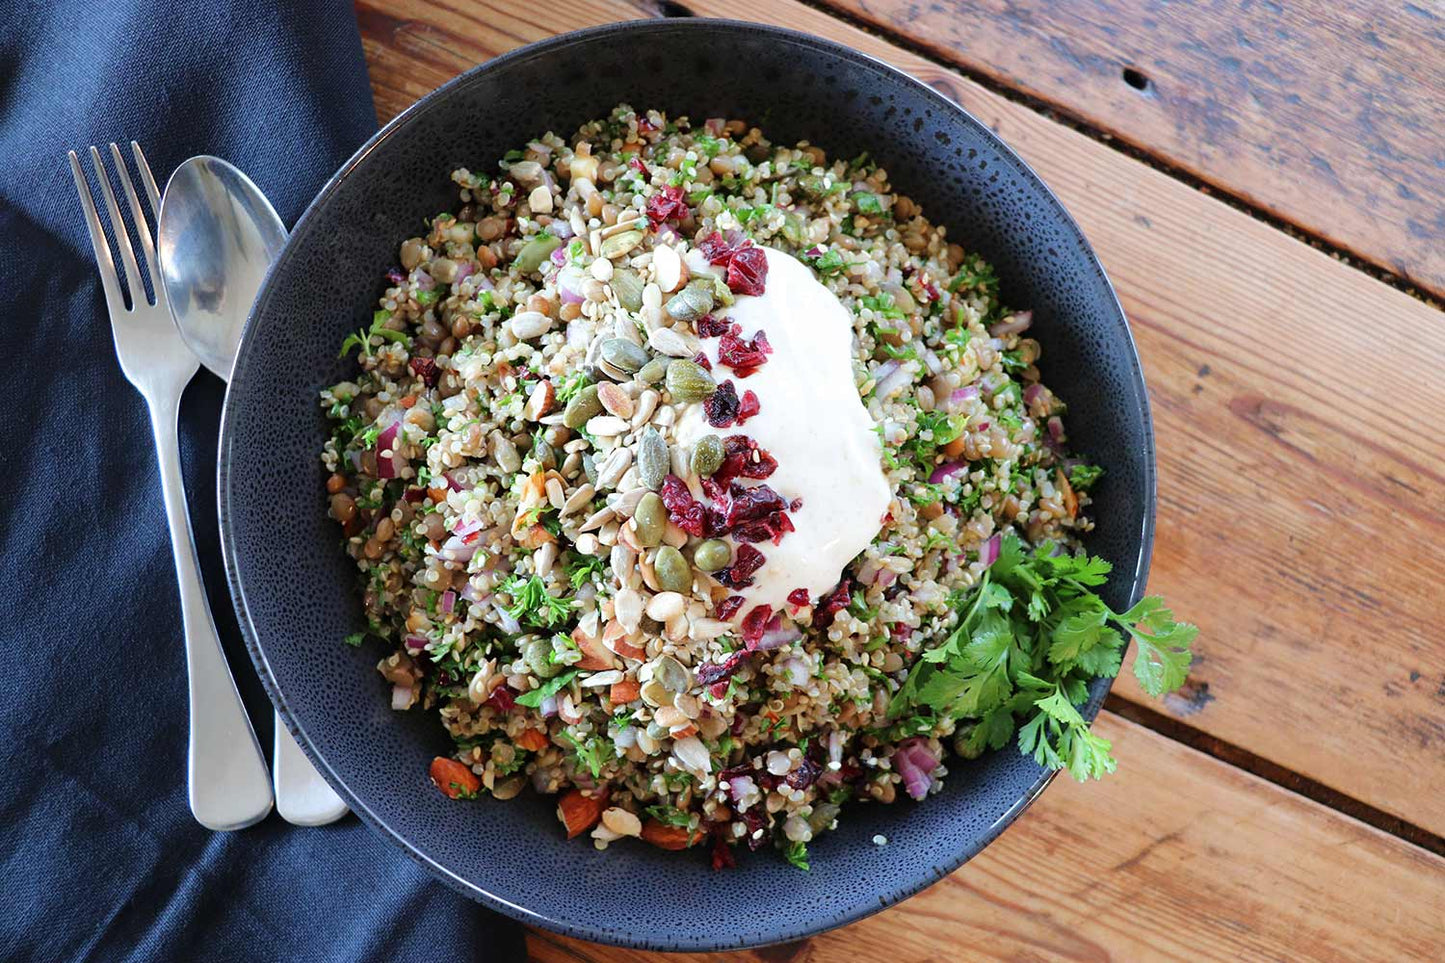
<point>813,423</point>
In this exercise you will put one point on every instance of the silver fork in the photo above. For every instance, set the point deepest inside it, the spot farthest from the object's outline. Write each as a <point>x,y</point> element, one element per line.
<point>228,784</point>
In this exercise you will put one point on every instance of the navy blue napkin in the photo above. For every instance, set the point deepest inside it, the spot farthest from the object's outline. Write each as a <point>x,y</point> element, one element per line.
<point>99,856</point>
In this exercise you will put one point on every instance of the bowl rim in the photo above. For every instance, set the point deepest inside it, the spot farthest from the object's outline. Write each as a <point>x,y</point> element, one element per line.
<point>580,927</point>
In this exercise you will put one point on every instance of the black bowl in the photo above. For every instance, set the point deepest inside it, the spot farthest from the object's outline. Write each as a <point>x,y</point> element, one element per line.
<point>295,592</point>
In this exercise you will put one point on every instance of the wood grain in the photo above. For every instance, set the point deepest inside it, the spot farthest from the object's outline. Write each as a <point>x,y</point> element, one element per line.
<point>1325,114</point>
<point>1209,864</point>
<point>1296,405</point>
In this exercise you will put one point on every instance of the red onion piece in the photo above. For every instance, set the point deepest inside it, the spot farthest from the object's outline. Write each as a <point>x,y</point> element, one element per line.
<point>465,269</point>
<point>915,781</point>
<point>414,643</point>
<point>988,553</point>
<point>886,577</point>
<point>1014,324</point>
<point>1056,430</point>
<point>714,125</point>
<point>471,593</point>
<point>448,602</point>
<point>966,393</point>
<point>890,376</point>
<point>946,471</point>
<point>388,467</point>
<point>932,362</point>
<point>775,636</point>
<point>561,229</point>
<point>464,529</point>
<point>917,750</point>
<point>569,284</point>
<point>1032,393</point>
<point>401,696</point>
<point>548,706</point>
<point>424,281</point>
<point>455,549</point>
<point>559,256</point>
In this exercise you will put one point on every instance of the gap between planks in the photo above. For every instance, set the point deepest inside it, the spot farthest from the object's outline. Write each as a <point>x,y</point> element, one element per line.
<point>1074,121</point>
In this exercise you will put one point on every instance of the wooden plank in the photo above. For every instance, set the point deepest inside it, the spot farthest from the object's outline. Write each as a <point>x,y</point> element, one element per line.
<point>1176,856</point>
<point>1325,114</point>
<point>1295,405</point>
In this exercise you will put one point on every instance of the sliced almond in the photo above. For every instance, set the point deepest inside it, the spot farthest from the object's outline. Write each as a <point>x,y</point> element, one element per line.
<point>668,267</point>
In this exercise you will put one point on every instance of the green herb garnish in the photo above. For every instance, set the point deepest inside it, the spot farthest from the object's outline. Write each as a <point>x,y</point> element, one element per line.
<point>532,698</point>
<point>1032,636</point>
<point>531,601</point>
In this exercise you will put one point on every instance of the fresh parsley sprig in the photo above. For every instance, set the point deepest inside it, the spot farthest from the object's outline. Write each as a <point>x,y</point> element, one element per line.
<point>1033,633</point>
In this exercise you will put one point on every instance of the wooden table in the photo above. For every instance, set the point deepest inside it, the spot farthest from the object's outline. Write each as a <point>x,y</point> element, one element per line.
<point>1265,183</point>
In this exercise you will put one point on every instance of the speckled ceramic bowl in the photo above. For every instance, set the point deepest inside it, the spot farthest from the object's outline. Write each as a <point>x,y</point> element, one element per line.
<point>295,591</point>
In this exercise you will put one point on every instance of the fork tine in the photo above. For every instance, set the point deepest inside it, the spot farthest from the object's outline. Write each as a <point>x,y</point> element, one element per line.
<point>109,280</point>
<point>153,195</point>
<point>122,237</point>
<point>142,228</point>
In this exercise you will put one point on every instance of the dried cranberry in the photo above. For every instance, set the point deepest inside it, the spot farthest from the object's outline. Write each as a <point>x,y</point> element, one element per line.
<point>746,561</point>
<point>755,623</point>
<point>900,631</point>
<point>796,504</point>
<point>770,529</point>
<point>805,775</point>
<point>637,165</point>
<point>702,361</point>
<point>722,854</point>
<point>799,596</point>
<point>748,271</point>
<point>502,699</point>
<point>645,125</point>
<point>716,249</point>
<point>751,504</point>
<point>742,458</point>
<point>748,406</point>
<point>722,406</point>
<point>682,508</point>
<point>830,604</point>
<point>756,818</point>
<point>426,369</point>
<point>744,357</point>
<point>414,495</point>
<point>667,204</point>
<point>711,672</point>
<point>711,327</point>
<point>729,606</point>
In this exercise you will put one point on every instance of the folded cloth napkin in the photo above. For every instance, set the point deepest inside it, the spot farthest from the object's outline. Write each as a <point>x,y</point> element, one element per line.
<point>99,855</point>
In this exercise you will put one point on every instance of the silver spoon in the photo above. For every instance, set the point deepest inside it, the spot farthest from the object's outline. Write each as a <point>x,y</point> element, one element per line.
<point>217,236</point>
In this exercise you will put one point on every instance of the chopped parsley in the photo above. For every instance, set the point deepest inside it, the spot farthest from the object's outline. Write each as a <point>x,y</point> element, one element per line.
<point>593,752</point>
<point>1083,477</point>
<point>355,639</point>
<point>827,263</point>
<point>532,698</point>
<point>532,602</point>
<point>796,852</point>
<point>668,815</point>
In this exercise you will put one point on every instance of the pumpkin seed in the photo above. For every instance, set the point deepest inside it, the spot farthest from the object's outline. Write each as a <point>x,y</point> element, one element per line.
<point>707,456</point>
<point>536,252</point>
<point>650,518</point>
<point>583,406</point>
<point>654,371</point>
<point>627,285</point>
<point>672,674</point>
<point>673,572</point>
<point>688,381</point>
<point>712,555</point>
<point>793,229</point>
<point>624,355</point>
<point>619,244</point>
<point>693,301</point>
<point>655,694</point>
<point>653,460</point>
<point>537,655</point>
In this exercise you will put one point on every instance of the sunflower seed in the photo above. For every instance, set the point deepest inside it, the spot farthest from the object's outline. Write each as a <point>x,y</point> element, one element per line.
<point>580,497</point>
<point>611,470</point>
<point>670,342</point>
<point>597,520</point>
<point>530,324</point>
<point>605,426</point>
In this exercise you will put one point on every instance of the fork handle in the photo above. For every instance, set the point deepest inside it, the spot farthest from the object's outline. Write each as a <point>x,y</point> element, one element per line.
<point>228,785</point>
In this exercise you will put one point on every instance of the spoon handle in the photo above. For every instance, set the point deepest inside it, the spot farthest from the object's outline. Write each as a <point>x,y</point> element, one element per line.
<point>302,796</point>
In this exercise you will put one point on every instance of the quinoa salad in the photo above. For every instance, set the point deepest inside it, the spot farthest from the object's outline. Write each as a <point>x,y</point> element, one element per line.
<point>703,482</point>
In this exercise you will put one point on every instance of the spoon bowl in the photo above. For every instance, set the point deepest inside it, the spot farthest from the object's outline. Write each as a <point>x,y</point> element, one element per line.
<point>217,237</point>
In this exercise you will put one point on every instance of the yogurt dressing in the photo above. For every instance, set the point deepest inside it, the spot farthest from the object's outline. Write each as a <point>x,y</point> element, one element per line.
<point>813,422</point>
